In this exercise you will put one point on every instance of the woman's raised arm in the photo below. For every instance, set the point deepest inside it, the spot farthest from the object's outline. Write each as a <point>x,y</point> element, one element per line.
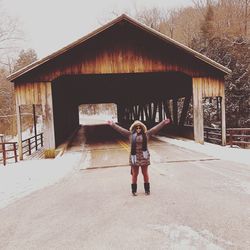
<point>158,127</point>
<point>119,129</point>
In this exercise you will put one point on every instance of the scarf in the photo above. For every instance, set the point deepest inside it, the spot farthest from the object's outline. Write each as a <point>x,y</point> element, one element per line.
<point>133,147</point>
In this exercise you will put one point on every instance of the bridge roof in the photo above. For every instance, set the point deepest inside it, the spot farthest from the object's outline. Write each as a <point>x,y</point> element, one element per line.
<point>139,25</point>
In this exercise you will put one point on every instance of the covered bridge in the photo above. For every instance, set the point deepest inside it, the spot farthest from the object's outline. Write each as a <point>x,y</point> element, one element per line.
<point>124,62</point>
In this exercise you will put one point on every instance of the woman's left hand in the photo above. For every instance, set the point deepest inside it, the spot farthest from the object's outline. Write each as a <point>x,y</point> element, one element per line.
<point>167,121</point>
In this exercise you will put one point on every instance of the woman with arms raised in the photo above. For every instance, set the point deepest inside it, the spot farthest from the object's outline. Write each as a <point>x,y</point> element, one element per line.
<point>139,154</point>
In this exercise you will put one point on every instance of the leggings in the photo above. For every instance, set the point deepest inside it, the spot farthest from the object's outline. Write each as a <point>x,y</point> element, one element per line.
<point>135,172</point>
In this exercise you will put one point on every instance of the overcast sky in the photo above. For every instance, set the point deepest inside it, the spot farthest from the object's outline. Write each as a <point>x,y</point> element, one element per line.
<point>49,25</point>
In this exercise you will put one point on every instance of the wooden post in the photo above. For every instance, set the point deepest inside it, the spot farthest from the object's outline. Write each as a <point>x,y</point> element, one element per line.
<point>184,110</point>
<point>150,112</point>
<point>223,122</point>
<point>146,111</point>
<point>4,154</point>
<point>14,148</point>
<point>160,111</point>
<point>34,120</point>
<point>198,110</point>
<point>49,132</point>
<point>141,116</point>
<point>19,131</point>
<point>175,111</point>
<point>154,111</point>
<point>231,137</point>
<point>29,146</point>
<point>166,109</point>
<point>41,139</point>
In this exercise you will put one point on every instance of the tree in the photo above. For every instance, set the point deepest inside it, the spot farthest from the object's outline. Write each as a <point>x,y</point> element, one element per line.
<point>219,30</point>
<point>207,26</point>
<point>25,58</point>
<point>10,36</point>
<point>7,107</point>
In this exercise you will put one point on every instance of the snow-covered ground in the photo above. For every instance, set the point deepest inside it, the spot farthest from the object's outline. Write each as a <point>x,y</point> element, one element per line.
<point>228,153</point>
<point>20,179</point>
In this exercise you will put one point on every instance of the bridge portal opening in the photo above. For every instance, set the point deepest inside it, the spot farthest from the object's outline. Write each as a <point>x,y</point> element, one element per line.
<point>94,114</point>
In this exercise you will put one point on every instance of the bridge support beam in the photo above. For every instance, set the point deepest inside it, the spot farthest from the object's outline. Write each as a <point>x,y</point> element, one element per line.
<point>49,131</point>
<point>198,111</point>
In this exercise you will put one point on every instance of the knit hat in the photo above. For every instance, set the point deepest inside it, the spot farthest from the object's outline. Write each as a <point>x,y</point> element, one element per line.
<point>138,123</point>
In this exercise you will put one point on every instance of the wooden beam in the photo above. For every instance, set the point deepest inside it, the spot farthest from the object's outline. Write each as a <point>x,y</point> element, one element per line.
<point>141,115</point>
<point>166,109</point>
<point>19,130</point>
<point>154,110</point>
<point>49,132</point>
<point>160,110</point>
<point>150,111</point>
<point>175,111</point>
<point>198,110</point>
<point>184,110</point>
<point>223,122</point>
<point>146,112</point>
<point>34,122</point>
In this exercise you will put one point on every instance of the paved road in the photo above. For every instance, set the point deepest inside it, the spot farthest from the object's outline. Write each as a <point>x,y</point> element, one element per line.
<point>197,202</point>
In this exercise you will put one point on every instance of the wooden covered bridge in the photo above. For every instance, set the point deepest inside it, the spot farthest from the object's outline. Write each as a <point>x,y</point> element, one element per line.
<point>126,63</point>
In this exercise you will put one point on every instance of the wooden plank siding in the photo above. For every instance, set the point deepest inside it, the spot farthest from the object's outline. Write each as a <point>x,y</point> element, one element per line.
<point>38,93</point>
<point>139,54</point>
<point>207,87</point>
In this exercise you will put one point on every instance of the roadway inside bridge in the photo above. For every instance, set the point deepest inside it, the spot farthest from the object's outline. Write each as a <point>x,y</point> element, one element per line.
<point>102,147</point>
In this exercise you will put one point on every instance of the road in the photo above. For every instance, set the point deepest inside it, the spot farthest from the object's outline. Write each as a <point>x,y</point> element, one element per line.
<point>196,202</point>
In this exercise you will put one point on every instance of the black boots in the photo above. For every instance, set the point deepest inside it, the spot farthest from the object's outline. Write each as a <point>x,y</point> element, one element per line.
<point>147,188</point>
<point>134,189</point>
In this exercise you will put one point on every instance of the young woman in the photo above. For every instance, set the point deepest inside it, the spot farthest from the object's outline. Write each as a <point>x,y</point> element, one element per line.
<point>139,155</point>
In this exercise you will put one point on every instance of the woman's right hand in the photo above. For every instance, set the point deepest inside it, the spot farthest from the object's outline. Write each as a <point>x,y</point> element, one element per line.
<point>110,122</point>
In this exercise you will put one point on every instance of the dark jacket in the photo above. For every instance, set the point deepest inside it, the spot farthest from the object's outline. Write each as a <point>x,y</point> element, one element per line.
<point>142,159</point>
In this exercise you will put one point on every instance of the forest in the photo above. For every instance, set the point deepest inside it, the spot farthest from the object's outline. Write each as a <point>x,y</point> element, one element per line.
<point>219,29</point>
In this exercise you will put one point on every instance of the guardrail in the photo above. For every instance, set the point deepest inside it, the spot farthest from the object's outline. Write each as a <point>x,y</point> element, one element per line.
<point>8,150</point>
<point>5,149</point>
<point>235,136</point>
<point>238,136</point>
<point>31,143</point>
<point>213,135</point>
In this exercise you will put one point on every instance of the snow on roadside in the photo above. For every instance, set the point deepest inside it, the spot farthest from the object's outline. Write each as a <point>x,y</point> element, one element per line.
<point>228,153</point>
<point>22,178</point>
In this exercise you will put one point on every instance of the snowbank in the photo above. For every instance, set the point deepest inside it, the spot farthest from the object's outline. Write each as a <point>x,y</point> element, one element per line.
<point>228,153</point>
<point>20,179</point>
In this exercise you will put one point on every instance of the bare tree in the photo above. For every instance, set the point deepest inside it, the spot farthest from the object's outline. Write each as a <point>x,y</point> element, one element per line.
<point>10,36</point>
<point>25,57</point>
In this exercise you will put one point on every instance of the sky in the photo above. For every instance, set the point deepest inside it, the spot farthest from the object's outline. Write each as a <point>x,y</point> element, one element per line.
<point>49,25</point>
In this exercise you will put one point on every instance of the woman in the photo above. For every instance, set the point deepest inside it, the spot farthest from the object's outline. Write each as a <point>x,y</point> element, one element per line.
<point>139,155</point>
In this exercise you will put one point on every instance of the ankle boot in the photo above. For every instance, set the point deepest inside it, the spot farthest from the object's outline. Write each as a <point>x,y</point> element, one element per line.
<point>134,189</point>
<point>147,188</point>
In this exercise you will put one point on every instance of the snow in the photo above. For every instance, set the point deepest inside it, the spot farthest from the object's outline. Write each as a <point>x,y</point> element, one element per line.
<point>20,179</point>
<point>96,119</point>
<point>184,237</point>
<point>228,153</point>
